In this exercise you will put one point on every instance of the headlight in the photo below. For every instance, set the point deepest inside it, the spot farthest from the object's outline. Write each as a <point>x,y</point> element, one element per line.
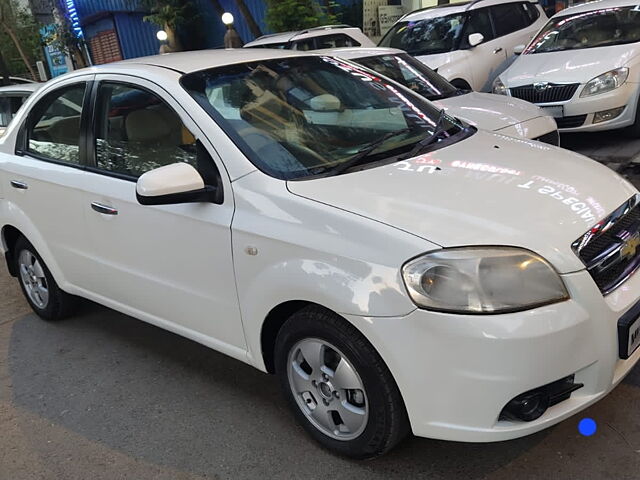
<point>482,280</point>
<point>605,82</point>
<point>499,88</point>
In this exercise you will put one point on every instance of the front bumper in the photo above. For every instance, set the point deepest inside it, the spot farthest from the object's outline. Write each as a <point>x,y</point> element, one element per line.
<point>533,129</point>
<point>581,111</point>
<point>457,372</point>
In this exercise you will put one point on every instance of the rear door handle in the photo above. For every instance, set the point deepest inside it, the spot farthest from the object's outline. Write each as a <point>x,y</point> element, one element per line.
<point>497,50</point>
<point>104,209</point>
<point>19,185</point>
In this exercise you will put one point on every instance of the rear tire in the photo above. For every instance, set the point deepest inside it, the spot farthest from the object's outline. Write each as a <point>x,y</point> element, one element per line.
<point>47,300</point>
<point>338,386</point>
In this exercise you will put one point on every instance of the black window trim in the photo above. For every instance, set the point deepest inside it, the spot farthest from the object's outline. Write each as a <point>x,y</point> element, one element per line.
<point>90,138</point>
<point>22,145</point>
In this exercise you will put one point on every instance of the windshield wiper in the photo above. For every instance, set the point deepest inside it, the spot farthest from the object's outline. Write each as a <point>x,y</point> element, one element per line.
<point>425,142</point>
<point>364,152</point>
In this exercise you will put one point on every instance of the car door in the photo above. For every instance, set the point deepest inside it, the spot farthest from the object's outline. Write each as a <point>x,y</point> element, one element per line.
<point>45,177</point>
<point>511,23</point>
<point>170,265</point>
<point>486,58</point>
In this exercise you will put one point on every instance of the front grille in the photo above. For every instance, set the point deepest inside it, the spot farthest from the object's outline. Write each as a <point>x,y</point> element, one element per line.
<point>552,138</point>
<point>611,249</point>
<point>571,122</point>
<point>552,93</point>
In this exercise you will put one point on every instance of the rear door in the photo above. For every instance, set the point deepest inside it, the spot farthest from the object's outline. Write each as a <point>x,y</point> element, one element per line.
<point>170,265</point>
<point>45,177</point>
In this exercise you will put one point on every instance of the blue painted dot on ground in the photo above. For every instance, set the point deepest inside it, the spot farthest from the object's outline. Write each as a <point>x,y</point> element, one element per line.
<point>587,427</point>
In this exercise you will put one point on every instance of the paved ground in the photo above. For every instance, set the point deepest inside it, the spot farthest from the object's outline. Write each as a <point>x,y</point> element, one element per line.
<point>104,396</point>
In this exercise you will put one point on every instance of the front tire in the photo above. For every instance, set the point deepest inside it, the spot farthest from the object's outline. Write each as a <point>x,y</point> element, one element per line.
<point>46,299</point>
<point>338,386</point>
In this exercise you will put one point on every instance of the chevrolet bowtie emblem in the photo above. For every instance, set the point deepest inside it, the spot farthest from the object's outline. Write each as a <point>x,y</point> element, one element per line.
<point>630,246</point>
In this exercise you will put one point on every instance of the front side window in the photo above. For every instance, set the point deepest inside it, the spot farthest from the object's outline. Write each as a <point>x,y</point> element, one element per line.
<point>411,73</point>
<point>597,28</point>
<point>137,131</point>
<point>509,18</point>
<point>304,116</point>
<point>479,22</point>
<point>427,36</point>
<point>54,125</point>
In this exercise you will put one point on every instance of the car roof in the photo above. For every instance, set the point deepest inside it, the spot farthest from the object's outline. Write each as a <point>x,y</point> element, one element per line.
<point>186,62</point>
<point>352,53</point>
<point>448,9</point>
<point>21,88</point>
<point>596,5</point>
<point>285,37</point>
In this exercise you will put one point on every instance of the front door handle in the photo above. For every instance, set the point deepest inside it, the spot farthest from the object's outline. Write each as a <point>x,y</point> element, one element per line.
<point>497,50</point>
<point>104,209</point>
<point>19,185</point>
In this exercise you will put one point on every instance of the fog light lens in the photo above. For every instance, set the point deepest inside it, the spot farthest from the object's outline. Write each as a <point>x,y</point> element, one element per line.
<point>606,115</point>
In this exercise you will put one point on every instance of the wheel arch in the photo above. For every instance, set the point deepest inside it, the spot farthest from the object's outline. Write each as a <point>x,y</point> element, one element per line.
<point>9,236</point>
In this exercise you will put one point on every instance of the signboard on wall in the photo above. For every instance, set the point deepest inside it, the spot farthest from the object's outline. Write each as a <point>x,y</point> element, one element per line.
<point>370,25</point>
<point>388,15</point>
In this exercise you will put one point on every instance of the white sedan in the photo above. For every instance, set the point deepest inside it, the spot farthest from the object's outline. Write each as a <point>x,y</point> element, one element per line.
<point>509,116</point>
<point>397,269</point>
<point>583,67</point>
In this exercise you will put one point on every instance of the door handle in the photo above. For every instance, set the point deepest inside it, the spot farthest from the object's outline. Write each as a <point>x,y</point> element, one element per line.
<point>497,50</point>
<point>104,209</point>
<point>19,185</point>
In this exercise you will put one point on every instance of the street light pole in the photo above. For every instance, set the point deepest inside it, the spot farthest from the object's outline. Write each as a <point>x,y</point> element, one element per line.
<point>231,37</point>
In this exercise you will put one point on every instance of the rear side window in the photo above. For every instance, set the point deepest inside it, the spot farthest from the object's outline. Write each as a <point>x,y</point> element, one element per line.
<point>509,18</point>
<point>478,22</point>
<point>137,132</point>
<point>54,125</point>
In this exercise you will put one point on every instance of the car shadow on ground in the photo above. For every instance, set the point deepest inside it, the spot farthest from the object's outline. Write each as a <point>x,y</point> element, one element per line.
<point>166,400</point>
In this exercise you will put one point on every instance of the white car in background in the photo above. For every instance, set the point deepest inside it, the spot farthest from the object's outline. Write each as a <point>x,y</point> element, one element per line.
<point>396,269</point>
<point>508,116</point>
<point>329,36</point>
<point>468,43</point>
<point>583,67</point>
<point>11,99</point>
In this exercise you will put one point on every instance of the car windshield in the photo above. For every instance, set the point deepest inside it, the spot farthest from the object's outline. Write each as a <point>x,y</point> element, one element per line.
<point>427,36</point>
<point>597,28</point>
<point>305,116</point>
<point>411,73</point>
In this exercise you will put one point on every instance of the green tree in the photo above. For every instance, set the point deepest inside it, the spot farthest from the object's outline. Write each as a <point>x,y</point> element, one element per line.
<point>62,37</point>
<point>170,15</point>
<point>20,42</point>
<point>286,15</point>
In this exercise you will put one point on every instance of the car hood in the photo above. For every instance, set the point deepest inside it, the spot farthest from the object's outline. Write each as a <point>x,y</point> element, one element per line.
<point>492,112</point>
<point>571,66</point>
<point>436,60</point>
<point>489,189</point>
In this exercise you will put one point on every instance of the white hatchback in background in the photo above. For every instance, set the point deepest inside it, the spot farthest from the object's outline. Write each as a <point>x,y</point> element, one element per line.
<point>11,99</point>
<point>583,67</point>
<point>397,269</point>
<point>330,36</point>
<point>508,116</point>
<point>468,43</point>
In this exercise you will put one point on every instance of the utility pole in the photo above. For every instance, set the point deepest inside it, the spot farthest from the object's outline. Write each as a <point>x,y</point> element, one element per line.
<point>4,72</point>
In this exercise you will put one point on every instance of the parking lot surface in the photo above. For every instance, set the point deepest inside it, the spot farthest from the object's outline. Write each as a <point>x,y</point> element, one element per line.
<point>105,396</point>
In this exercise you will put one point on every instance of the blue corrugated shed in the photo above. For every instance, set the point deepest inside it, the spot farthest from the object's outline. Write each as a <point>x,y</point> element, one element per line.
<point>87,8</point>
<point>137,37</point>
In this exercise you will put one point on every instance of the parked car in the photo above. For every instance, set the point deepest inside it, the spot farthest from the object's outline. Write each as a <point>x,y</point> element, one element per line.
<point>329,36</point>
<point>583,67</point>
<point>508,116</point>
<point>467,43</point>
<point>11,99</point>
<point>397,269</point>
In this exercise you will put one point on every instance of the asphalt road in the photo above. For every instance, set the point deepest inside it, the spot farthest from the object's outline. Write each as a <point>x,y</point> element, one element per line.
<point>105,396</point>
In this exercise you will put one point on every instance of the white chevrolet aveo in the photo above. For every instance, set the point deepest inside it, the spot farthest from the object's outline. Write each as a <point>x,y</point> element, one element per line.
<point>296,212</point>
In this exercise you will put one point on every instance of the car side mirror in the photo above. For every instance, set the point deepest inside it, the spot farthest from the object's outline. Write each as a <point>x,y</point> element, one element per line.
<point>518,49</point>
<point>173,184</point>
<point>475,39</point>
